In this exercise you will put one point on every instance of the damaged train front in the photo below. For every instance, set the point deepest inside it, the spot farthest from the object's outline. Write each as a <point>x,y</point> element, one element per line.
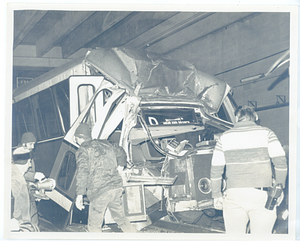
<point>171,117</point>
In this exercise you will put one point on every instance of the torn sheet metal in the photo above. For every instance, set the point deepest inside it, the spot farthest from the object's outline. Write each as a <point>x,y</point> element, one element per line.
<point>159,76</point>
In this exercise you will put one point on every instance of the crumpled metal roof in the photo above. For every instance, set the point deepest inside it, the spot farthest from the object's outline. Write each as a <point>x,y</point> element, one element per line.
<point>151,76</point>
<point>145,74</point>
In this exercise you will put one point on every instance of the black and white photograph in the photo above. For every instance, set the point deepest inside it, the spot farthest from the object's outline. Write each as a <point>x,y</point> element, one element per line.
<point>151,122</point>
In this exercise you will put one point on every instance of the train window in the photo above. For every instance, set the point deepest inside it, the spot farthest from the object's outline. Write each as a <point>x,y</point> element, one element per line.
<point>222,113</point>
<point>61,91</point>
<point>22,120</point>
<point>85,92</point>
<point>67,171</point>
<point>227,109</point>
<point>46,118</point>
<point>100,101</point>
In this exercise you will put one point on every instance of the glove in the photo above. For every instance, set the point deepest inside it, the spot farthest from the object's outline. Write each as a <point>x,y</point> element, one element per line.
<point>120,169</point>
<point>39,176</point>
<point>79,202</point>
<point>218,203</point>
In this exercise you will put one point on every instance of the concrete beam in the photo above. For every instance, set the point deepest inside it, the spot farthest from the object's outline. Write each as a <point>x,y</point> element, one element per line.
<point>134,25</point>
<point>30,51</point>
<point>165,29</point>
<point>24,51</point>
<point>61,29</point>
<point>38,62</point>
<point>28,26</point>
<point>210,24</point>
<point>55,52</point>
<point>94,26</point>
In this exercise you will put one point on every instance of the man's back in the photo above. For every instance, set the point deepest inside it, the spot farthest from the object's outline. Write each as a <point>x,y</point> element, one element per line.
<point>247,149</point>
<point>97,168</point>
<point>246,154</point>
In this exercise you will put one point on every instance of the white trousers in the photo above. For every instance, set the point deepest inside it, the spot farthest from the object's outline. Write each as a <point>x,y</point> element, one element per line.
<point>243,204</point>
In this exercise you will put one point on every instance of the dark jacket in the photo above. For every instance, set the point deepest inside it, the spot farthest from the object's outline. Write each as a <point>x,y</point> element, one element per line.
<point>97,162</point>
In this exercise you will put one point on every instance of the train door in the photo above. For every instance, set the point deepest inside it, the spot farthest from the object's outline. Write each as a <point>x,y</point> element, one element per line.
<point>82,88</point>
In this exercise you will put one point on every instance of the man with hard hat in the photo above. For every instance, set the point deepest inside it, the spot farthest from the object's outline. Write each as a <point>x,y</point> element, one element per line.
<point>28,141</point>
<point>98,178</point>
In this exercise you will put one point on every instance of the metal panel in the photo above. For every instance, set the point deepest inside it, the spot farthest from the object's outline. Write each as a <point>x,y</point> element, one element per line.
<point>201,173</point>
<point>134,202</point>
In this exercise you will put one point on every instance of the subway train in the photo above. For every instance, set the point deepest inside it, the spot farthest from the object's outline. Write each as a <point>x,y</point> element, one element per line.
<point>165,113</point>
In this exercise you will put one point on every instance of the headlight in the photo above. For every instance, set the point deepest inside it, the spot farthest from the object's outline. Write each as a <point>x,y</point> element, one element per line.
<point>204,185</point>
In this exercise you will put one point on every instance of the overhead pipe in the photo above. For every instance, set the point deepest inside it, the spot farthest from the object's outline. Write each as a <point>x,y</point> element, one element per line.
<point>268,107</point>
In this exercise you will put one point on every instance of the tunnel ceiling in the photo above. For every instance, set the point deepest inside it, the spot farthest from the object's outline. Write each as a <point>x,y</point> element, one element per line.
<point>215,42</point>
